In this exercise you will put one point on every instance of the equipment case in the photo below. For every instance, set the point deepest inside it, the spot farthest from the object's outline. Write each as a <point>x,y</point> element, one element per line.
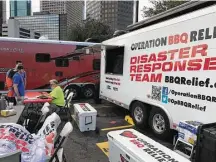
<point>85,116</point>
<point>131,146</point>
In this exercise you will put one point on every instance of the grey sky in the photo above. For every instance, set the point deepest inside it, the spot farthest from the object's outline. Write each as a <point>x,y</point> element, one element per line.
<point>141,4</point>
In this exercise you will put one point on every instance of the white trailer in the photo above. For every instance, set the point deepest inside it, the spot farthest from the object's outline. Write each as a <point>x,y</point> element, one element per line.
<point>164,69</point>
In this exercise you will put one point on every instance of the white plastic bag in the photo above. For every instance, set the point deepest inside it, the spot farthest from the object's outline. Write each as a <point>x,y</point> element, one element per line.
<point>7,146</point>
<point>49,132</point>
<point>15,137</point>
<point>35,148</point>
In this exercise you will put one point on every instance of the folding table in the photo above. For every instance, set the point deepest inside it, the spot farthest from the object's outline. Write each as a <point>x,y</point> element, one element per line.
<point>32,110</point>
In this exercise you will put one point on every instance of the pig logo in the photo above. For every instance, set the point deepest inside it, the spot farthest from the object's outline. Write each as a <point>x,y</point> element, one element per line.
<point>128,134</point>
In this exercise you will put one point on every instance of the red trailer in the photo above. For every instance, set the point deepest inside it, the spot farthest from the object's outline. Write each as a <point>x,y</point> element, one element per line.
<point>47,59</point>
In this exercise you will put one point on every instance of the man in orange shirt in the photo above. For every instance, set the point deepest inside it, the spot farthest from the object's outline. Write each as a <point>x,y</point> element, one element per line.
<point>9,82</point>
<point>9,85</point>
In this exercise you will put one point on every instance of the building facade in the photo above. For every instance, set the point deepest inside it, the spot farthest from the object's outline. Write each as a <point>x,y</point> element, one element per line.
<point>20,8</point>
<point>62,27</point>
<point>54,7</point>
<point>74,10</point>
<point>2,14</point>
<point>13,29</point>
<point>117,14</point>
<point>51,25</point>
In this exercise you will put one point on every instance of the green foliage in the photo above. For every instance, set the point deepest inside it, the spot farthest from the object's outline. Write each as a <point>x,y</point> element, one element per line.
<point>159,6</point>
<point>89,28</point>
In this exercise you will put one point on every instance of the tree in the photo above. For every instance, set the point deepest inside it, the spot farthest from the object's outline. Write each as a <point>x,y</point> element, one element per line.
<point>159,6</point>
<point>89,28</point>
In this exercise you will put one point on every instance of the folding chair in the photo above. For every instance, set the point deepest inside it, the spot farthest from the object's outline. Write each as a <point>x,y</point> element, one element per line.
<point>68,100</point>
<point>44,110</point>
<point>66,93</point>
<point>66,109</point>
<point>60,141</point>
<point>43,113</point>
<point>11,157</point>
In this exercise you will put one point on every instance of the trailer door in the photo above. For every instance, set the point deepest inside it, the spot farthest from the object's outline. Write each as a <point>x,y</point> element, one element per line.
<point>112,72</point>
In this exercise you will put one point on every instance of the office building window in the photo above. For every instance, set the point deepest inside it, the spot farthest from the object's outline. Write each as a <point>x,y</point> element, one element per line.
<point>20,8</point>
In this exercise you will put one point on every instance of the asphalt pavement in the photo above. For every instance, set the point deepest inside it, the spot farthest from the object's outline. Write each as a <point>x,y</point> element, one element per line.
<point>81,147</point>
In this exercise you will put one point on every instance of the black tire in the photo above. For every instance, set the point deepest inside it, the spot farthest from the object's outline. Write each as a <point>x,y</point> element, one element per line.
<point>77,91</point>
<point>166,132</point>
<point>143,122</point>
<point>88,91</point>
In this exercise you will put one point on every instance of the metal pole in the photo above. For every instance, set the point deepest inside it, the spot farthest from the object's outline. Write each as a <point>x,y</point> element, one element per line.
<point>137,11</point>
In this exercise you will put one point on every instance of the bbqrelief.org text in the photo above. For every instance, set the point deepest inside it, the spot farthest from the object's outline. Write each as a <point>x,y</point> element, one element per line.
<point>193,81</point>
<point>150,67</point>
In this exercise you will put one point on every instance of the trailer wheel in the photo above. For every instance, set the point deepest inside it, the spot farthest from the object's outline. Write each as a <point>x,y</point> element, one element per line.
<point>76,90</point>
<point>159,123</point>
<point>88,91</point>
<point>139,114</point>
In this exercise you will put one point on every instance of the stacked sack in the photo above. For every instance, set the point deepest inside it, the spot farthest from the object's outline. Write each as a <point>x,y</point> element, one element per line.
<point>34,147</point>
<point>187,130</point>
